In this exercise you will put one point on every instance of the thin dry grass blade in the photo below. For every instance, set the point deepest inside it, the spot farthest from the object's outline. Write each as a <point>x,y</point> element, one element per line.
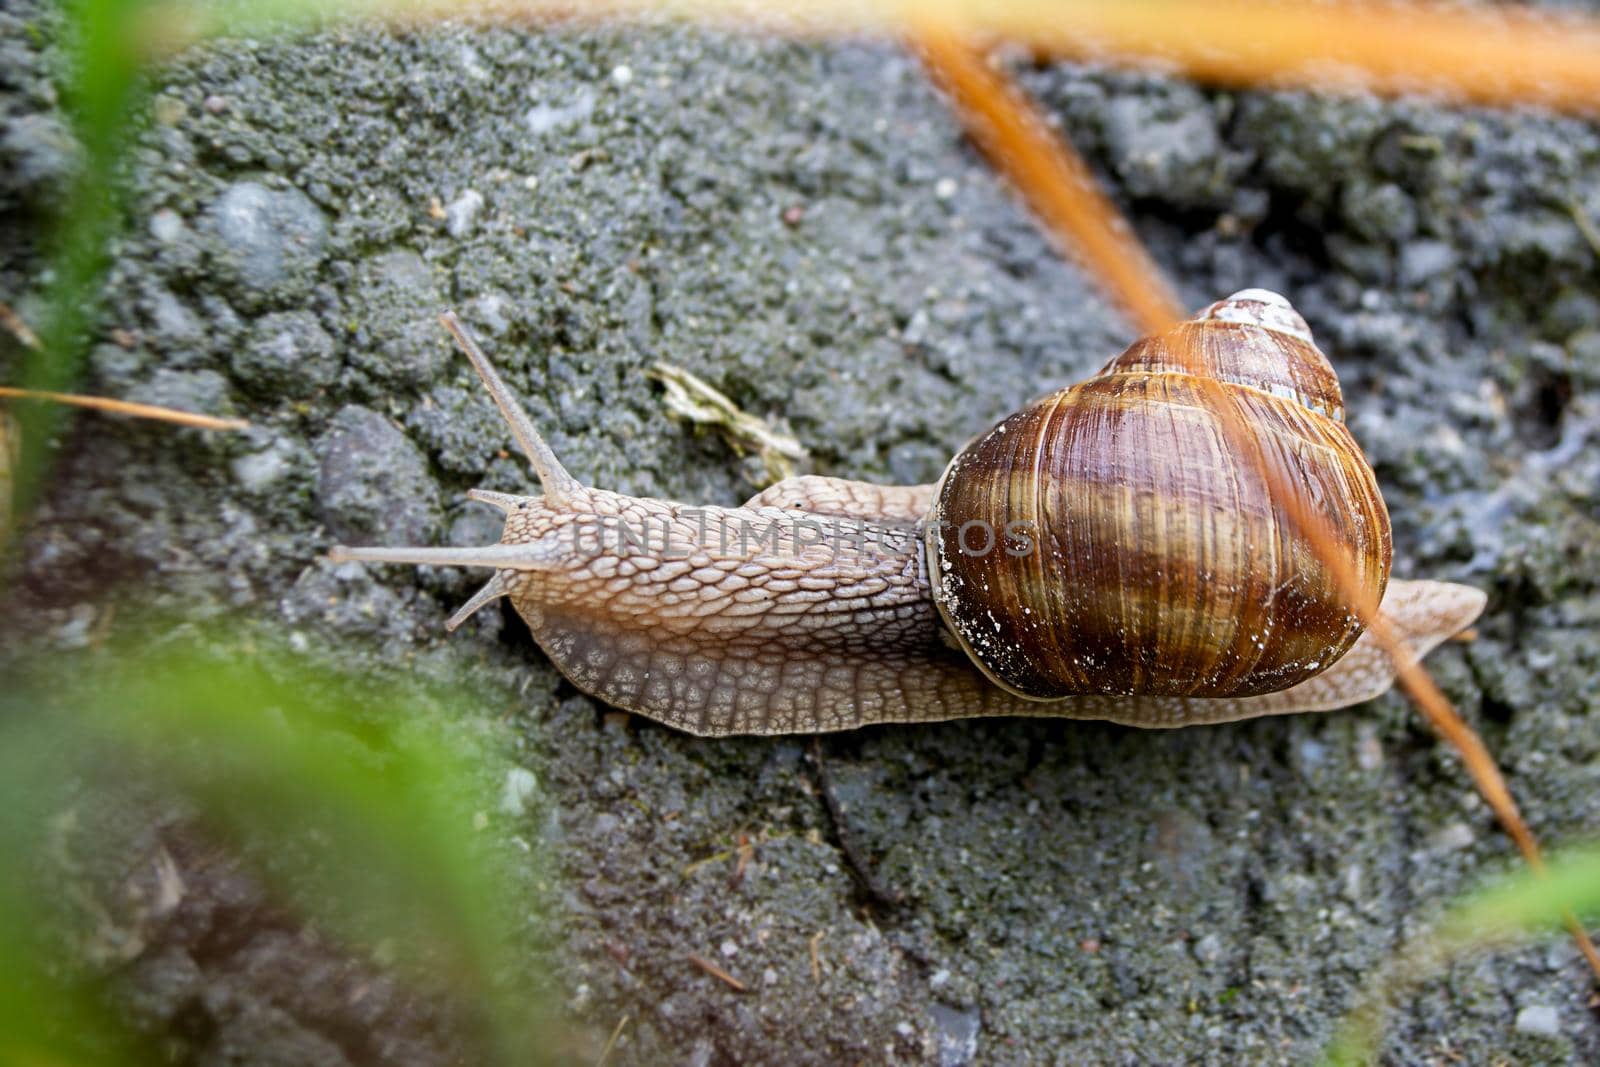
<point>1053,179</point>
<point>128,407</point>
<point>1485,55</point>
<point>10,455</point>
<point>1493,56</point>
<point>718,973</point>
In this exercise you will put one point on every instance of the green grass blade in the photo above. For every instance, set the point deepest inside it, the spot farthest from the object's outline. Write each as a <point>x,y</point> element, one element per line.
<point>1511,909</point>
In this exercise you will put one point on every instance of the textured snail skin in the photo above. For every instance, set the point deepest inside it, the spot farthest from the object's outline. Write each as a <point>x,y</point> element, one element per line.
<point>1157,561</point>
<point>797,632</point>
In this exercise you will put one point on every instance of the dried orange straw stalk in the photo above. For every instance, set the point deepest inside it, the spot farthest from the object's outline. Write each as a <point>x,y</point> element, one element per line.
<point>1493,56</point>
<point>1004,123</point>
<point>128,407</point>
<point>1054,179</point>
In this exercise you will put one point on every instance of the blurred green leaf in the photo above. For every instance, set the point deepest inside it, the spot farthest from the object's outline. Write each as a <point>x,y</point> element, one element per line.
<point>1526,902</point>
<point>356,802</point>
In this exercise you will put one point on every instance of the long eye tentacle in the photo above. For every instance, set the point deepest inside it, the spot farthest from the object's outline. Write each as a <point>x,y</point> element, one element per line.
<point>560,489</point>
<point>506,502</point>
<point>504,558</point>
<point>492,590</point>
<point>559,486</point>
<point>518,556</point>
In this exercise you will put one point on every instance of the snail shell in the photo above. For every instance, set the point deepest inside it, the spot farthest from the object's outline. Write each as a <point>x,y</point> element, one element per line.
<point>1108,539</point>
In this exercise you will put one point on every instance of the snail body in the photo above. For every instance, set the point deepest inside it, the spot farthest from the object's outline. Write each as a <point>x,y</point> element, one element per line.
<point>827,604</point>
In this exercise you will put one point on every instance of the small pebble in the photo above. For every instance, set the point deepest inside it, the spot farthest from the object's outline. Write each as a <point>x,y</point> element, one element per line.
<point>544,118</point>
<point>372,483</point>
<point>1452,838</point>
<point>1540,1019</point>
<point>580,997</point>
<point>956,1032</point>
<point>1423,261</point>
<point>622,75</point>
<point>404,346</point>
<point>472,63</point>
<point>1350,883</point>
<point>461,216</point>
<point>287,353</point>
<point>490,313</point>
<point>476,524</point>
<point>519,789</point>
<point>166,226</point>
<point>259,471</point>
<point>169,111</point>
<point>1380,211</point>
<point>173,325</point>
<point>1165,148</point>
<point>38,158</point>
<point>268,236</point>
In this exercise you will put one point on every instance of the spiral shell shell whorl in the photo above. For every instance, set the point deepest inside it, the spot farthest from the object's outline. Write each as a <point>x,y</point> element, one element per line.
<point>1108,539</point>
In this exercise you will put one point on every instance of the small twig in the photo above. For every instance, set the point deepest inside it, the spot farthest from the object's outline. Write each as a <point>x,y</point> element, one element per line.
<point>717,972</point>
<point>816,956</point>
<point>128,407</point>
<point>611,1042</point>
<point>859,867</point>
<point>746,852</point>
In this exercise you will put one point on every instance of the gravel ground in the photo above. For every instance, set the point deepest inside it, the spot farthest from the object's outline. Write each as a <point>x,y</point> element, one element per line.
<point>805,227</point>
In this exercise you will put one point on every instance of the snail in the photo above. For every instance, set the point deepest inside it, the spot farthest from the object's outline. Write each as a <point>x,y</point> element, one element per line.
<point>1097,555</point>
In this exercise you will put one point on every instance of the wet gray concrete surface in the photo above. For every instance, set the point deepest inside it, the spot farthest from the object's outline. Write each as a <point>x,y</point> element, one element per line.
<point>805,226</point>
